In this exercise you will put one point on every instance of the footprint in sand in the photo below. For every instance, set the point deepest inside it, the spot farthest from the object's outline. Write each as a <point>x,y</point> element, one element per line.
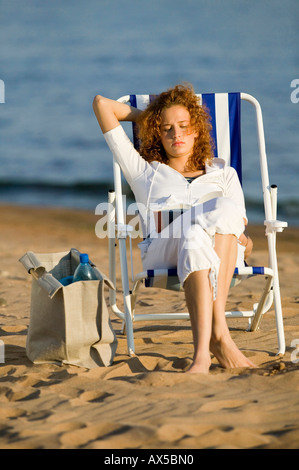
<point>84,435</point>
<point>222,405</point>
<point>11,413</point>
<point>95,396</point>
<point>67,427</point>
<point>20,394</point>
<point>14,329</point>
<point>41,414</point>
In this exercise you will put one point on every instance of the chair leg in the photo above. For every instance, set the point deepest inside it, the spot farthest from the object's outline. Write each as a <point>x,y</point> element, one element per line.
<point>127,327</point>
<point>278,316</point>
<point>126,297</point>
<point>263,305</point>
<point>276,292</point>
<point>111,243</point>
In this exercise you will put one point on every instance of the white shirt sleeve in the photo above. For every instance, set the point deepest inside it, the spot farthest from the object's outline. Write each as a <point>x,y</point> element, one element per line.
<point>233,189</point>
<point>130,161</point>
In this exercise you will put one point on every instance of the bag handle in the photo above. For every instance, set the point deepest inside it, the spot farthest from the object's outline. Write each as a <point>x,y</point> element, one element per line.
<point>46,280</point>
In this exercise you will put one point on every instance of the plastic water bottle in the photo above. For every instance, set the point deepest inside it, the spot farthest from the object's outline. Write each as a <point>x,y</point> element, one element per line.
<point>84,271</point>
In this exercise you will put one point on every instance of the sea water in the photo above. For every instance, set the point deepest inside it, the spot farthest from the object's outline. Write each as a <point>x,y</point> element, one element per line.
<point>56,56</point>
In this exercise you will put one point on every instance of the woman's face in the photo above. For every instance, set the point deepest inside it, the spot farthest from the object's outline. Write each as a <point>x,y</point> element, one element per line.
<point>177,134</point>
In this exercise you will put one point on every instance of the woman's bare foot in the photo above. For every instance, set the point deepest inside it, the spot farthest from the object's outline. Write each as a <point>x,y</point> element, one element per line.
<point>200,365</point>
<point>228,354</point>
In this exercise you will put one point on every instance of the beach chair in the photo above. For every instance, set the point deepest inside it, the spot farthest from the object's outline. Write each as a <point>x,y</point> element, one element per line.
<point>225,111</point>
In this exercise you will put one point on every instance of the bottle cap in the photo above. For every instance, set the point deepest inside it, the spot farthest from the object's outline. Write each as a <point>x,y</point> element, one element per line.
<point>84,258</point>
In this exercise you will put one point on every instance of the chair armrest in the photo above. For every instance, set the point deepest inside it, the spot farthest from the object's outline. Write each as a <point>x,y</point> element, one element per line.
<point>273,226</point>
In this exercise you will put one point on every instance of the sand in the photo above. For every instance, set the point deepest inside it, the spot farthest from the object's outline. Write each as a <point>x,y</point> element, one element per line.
<point>147,401</point>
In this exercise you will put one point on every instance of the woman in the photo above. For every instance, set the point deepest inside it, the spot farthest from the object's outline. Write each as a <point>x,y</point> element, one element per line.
<point>176,166</point>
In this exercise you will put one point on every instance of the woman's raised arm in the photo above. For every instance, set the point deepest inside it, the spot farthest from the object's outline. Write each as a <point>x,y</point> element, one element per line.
<point>109,113</point>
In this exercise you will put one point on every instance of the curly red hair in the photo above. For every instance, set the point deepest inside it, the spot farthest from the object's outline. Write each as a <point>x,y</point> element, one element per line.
<point>149,122</point>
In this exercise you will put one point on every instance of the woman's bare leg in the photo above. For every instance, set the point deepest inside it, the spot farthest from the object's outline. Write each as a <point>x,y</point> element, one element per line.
<point>222,345</point>
<point>199,301</point>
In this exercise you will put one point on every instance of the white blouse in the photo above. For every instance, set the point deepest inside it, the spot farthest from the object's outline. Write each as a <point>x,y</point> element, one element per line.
<point>157,186</point>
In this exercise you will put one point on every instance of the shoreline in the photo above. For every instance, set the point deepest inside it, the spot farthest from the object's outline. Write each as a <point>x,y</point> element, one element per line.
<point>146,401</point>
<point>288,239</point>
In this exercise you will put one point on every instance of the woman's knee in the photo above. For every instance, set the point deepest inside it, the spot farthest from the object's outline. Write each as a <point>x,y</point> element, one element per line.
<point>194,237</point>
<point>229,218</point>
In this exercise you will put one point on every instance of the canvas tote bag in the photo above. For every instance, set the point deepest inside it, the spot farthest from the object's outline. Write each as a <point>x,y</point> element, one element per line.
<point>68,324</point>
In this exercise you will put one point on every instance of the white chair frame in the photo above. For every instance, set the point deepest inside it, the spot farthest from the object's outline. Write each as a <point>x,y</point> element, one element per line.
<point>121,231</point>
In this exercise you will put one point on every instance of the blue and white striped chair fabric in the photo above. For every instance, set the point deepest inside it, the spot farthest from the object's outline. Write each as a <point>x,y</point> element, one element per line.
<point>168,279</point>
<point>225,112</point>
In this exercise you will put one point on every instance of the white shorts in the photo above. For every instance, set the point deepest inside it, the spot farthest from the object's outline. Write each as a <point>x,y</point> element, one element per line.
<point>188,242</point>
